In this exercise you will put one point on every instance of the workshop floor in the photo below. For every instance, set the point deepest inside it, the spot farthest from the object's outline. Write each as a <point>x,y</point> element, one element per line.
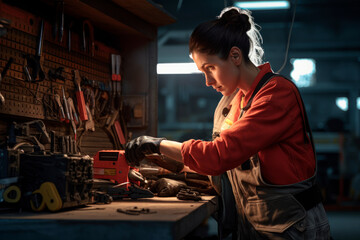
<point>345,225</point>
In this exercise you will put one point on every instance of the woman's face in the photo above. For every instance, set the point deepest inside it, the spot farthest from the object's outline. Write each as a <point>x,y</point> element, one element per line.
<point>222,75</point>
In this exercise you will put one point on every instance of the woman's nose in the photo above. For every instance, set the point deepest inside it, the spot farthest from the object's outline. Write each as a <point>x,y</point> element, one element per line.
<point>209,80</point>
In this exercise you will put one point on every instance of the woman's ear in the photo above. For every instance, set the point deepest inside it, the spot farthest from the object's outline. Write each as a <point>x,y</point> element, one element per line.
<point>236,56</point>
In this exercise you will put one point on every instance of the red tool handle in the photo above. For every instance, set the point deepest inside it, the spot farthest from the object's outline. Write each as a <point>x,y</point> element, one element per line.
<point>119,132</point>
<point>81,105</point>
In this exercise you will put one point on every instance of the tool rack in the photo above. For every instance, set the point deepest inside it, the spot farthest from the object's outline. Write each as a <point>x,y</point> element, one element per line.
<point>120,27</point>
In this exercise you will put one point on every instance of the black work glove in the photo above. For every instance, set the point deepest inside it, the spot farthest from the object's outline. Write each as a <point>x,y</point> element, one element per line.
<point>137,148</point>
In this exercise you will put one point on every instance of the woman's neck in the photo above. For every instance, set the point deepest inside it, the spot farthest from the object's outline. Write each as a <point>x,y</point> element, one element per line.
<point>249,73</point>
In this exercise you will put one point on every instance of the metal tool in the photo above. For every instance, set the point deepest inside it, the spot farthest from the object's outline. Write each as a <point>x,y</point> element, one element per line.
<point>3,74</point>
<point>118,83</point>
<point>66,107</point>
<point>58,101</point>
<point>4,24</point>
<point>58,27</point>
<point>114,80</point>
<point>72,110</point>
<point>80,97</point>
<point>56,74</point>
<point>135,211</point>
<point>69,35</point>
<point>118,78</point>
<point>72,114</point>
<point>88,44</point>
<point>103,101</point>
<point>52,141</point>
<point>33,64</point>
<point>89,124</point>
<point>119,133</point>
<point>188,194</point>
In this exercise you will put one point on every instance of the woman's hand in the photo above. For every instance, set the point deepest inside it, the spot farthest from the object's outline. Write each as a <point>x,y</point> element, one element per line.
<point>137,148</point>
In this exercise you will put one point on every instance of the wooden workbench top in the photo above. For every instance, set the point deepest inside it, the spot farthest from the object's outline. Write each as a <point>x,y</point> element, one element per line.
<point>168,218</point>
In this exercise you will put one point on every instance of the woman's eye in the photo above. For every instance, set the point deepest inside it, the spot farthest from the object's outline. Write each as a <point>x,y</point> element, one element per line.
<point>209,68</point>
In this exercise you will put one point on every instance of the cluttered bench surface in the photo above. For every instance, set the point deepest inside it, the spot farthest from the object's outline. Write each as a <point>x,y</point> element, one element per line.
<point>147,218</point>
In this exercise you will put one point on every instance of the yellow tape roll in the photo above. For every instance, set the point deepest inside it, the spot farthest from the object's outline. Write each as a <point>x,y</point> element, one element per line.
<point>12,194</point>
<point>46,196</point>
<point>37,202</point>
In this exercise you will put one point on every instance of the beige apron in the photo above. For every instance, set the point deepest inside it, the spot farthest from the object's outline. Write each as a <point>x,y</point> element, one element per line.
<point>265,210</point>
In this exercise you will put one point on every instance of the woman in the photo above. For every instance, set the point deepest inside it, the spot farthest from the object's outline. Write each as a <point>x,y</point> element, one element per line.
<point>261,137</point>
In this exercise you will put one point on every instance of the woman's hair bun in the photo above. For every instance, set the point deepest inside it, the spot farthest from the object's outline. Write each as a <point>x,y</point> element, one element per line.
<point>236,16</point>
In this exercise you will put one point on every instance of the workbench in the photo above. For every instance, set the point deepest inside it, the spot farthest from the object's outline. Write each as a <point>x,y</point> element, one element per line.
<point>167,218</point>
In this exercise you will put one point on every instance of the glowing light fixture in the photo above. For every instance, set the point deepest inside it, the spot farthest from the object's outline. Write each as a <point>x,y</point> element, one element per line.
<point>342,103</point>
<point>304,71</point>
<point>262,5</point>
<point>177,68</point>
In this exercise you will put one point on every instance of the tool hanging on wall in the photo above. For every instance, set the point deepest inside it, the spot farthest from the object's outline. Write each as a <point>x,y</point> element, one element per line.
<point>56,74</point>
<point>4,25</point>
<point>113,79</point>
<point>89,95</point>
<point>61,109</point>
<point>88,44</point>
<point>33,64</point>
<point>51,109</point>
<point>116,102</point>
<point>70,35</point>
<point>118,83</point>
<point>102,100</point>
<point>72,110</point>
<point>80,96</point>
<point>116,80</point>
<point>3,74</point>
<point>58,26</point>
<point>72,114</point>
<point>66,108</point>
<point>89,124</point>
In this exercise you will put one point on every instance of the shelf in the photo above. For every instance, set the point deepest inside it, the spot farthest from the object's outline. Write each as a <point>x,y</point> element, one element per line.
<point>120,17</point>
<point>147,10</point>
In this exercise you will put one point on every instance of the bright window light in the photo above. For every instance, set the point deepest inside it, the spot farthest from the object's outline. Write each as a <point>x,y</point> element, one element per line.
<point>358,103</point>
<point>304,71</point>
<point>263,5</point>
<point>177,68</point>
<point>342,103</point>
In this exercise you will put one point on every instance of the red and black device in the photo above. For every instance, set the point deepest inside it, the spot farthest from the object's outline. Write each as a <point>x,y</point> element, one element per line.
<point>111,165</point>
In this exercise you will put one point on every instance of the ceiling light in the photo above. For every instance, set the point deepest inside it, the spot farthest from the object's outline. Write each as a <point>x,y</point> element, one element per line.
<point>342,103</point>
<point>262,5</point>
<point>177,68</point>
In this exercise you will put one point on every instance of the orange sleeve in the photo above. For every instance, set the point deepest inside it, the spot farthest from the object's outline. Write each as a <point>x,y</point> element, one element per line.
<point>269,120</point>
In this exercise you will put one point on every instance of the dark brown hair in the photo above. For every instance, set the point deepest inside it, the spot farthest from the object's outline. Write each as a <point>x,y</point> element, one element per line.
<point>234,27</point>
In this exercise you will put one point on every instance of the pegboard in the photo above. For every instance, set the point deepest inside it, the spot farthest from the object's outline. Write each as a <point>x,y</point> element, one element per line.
<point>26,99</point>
<point>21,39</point>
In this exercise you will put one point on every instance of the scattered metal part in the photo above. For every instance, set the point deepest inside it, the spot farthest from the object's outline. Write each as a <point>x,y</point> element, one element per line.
<point>188,194</point>
<point>135,211</point>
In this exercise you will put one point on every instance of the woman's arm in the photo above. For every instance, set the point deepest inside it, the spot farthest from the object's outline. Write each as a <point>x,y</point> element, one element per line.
<point>171,149</point>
